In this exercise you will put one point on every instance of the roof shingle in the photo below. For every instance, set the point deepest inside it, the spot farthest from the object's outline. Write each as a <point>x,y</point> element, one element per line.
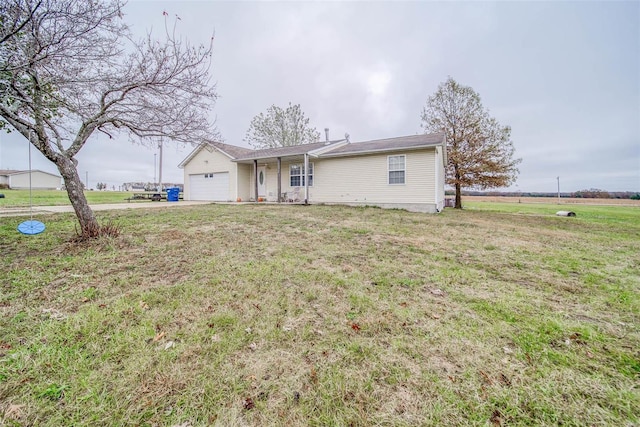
<point>389,144</point>
<point>293,150</point>
<point>232,150</point>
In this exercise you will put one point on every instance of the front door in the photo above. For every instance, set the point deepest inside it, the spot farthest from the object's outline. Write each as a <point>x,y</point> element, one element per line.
<point>262,181</point>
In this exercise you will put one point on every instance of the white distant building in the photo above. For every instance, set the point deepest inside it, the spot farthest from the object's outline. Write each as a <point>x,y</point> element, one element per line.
<point>40,180</point>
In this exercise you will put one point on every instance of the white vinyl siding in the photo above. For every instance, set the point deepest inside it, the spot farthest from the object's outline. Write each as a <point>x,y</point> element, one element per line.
<point>440,177</point>
<point>396,169</point>
<point>39,180</point>
<point>365,179</point>
<point>244,182</point>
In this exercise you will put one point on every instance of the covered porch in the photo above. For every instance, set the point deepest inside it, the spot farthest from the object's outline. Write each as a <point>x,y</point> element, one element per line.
<point>281,179</point>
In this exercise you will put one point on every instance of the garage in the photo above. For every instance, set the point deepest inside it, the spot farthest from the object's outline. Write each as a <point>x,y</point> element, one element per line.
<point>209,186</point>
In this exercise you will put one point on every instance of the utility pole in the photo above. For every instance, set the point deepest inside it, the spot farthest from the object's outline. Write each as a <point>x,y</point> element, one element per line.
<point>86,180</point>
<point>558,178</point>
<point>160,168</point>
<point>155,168</point>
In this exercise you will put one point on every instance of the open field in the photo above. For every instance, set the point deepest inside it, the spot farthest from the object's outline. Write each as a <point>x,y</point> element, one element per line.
<point>550,200</point>
<point>291,315</point>
<point>20,198</point>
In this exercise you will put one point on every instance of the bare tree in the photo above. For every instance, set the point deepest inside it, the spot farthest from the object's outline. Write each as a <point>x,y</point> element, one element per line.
<point>281,128</point>
<point>69,68</point>
<point>479,149</point>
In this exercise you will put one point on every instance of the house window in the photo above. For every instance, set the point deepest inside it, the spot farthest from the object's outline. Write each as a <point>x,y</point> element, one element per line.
<point>396,169</point>
<point>296,175</point>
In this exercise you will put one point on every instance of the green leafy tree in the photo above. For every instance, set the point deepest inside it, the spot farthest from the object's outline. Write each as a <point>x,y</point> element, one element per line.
<point>69,68</point>
<point>479,149</point>
<point>281,127</point>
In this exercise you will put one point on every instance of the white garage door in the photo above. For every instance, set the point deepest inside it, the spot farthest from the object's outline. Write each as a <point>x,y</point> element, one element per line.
<point>209,186</point>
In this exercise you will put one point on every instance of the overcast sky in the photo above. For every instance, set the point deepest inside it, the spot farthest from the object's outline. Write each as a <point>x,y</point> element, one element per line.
<point>564,75</point>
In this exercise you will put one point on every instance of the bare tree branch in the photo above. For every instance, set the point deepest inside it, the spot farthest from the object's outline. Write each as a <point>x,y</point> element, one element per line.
<point>71,67</point>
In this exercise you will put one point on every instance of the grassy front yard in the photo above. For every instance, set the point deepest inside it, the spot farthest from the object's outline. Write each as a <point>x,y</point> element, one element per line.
<point>20,198</point>
<point>292,315</point>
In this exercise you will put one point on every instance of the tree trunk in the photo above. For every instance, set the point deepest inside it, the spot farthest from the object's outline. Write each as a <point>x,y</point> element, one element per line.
<point>458,190</point>
<point>88,224</point>
<point>458,196</point>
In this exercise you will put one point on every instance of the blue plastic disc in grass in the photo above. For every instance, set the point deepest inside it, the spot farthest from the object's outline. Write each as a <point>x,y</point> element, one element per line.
<point>31,227</point>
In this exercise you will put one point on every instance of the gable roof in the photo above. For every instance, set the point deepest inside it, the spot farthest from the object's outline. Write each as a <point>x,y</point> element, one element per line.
<point>293,150</point>
<point>231,151</point>
<point>411,142</point>
<point>7,172</point>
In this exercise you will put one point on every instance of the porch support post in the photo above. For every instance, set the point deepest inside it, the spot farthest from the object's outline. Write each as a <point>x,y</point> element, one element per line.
<point>279,179</point>
<point>255,179</point>
<point>306,178</point>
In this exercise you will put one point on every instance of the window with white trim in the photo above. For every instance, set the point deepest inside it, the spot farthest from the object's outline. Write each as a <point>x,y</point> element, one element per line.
<point>296,175</point>
<point>396,166</point>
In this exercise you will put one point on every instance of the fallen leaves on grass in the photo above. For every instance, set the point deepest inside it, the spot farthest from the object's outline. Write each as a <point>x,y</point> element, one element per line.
<point>144,305</point>
<point>248,404</point>
<point>355,327</point>
<point>54,314</point>
<point>13,412</point>
<point>496,418</point>
<point>159,336</point>
<point>437,292</point>
<point>486,377</point>
<point>505,380</point>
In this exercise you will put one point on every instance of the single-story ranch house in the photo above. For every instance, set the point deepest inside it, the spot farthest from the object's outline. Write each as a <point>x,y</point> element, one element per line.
<point>40,180</point>
<point>405,172</point>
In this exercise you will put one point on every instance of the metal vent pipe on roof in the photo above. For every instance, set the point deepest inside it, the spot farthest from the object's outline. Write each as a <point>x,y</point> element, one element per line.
<point>326,134</point>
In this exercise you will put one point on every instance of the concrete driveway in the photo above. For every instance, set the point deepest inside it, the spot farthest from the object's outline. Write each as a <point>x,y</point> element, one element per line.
<point>100,207</point>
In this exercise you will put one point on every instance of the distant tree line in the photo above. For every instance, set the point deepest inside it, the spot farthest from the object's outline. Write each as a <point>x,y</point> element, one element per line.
<point>149,186</point>
<point>592,193</point>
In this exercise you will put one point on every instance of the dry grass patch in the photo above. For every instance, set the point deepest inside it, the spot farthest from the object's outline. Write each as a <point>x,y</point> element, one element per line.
<point>274,315</point>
